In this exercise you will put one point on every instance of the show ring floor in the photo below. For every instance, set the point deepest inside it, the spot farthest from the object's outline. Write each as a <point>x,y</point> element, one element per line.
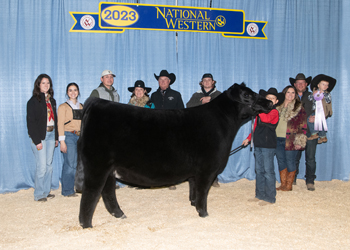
<point>164,219</point>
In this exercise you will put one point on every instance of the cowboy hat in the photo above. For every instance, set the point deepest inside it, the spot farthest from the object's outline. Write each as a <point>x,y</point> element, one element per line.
<point>272,91</point>
<point>139,84</point>
<point>323,77</point>
<point>300,76</point>
<point>164,72</point>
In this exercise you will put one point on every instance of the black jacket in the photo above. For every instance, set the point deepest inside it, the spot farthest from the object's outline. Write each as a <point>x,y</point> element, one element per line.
<point>37,118</point>
<point>171,100</point>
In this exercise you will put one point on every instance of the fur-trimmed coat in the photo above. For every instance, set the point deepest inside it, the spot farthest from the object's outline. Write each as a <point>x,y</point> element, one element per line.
<point>296,125</point>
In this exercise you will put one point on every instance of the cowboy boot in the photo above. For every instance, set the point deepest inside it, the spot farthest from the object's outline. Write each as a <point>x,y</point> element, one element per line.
<point>283,176</point>
<point>290,179</point>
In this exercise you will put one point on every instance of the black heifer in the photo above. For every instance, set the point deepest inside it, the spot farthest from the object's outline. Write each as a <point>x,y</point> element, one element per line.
<point>152,148</point>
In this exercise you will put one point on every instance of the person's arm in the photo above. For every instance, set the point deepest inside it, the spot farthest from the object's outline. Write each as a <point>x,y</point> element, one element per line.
<point>271,117</point>
<point>180,103</point>
<point>60,124</point>
<point>249,138</point>
<point>301,138</point>
<point>31,122</point>
<point>328,97</point>
<point>194,101</point>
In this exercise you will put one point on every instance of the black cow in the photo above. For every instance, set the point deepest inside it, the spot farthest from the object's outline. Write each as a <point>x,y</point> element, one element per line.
<point>152,148</point>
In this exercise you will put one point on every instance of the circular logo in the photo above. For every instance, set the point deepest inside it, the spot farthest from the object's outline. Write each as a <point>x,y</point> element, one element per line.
<point>252,29</point>
<point>87,22</point>
<point>220,21</point>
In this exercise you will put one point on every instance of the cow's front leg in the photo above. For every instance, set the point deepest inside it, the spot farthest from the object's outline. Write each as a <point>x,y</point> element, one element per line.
<point>110,199</point>
<point>202,189</point>
<point>191,182</point>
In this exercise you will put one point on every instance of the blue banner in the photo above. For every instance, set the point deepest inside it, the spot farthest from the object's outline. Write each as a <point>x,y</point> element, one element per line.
<point>116,17</point>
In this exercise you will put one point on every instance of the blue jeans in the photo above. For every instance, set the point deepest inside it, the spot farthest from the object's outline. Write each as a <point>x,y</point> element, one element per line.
<point>310,161</point>
<point>69,164</point>
<point>43,173</point>
<point>265,188</point>
<point>311,127</point>
<point>285,158</point>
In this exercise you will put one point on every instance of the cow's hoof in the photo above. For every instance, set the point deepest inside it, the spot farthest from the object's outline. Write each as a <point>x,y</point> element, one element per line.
<point>85,226</point>
<point>203,214</point>
<point>123,216</point>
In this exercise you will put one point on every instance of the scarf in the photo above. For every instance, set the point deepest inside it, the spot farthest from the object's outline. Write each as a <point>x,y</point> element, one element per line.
<point>207,93</point>
<point>139,102</point>
<point>49,107</point>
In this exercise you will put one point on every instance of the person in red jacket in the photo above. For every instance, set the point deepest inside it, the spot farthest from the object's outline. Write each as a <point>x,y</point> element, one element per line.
<point>265,142</point>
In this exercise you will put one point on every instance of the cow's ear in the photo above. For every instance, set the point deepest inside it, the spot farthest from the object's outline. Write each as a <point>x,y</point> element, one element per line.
<point>243,84</point>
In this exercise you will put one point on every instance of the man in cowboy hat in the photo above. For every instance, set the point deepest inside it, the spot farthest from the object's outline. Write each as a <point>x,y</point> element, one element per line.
<point>165,97</point>
<point>106,91</point>
<point>301,83</point>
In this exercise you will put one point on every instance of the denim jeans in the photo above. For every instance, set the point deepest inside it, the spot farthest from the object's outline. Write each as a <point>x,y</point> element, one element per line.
<point>310,161</point>
<point>311,127</point>
<point>43,173</point>
<point>285,158</point>
<point>69,164</point>
<point>265,188</point>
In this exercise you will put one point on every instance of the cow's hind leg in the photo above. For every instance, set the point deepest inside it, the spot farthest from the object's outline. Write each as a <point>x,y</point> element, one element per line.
<point>192,191</point>
<point>90,196</point>
<point>110,199</point>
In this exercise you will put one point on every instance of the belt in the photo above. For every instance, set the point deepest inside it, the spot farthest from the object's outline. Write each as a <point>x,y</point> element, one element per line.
<point>49,128</point>
<point>75,132</point>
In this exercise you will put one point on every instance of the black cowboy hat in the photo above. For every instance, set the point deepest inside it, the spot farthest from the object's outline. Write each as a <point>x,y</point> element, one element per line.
<point>323,77</point>
<point>272,91</point>
<point>164,72</point>
<point>300,76</point>
<point>139,84</point>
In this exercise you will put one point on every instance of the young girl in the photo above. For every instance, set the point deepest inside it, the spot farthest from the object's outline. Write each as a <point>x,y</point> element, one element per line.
<point>42,129</point>
<point>321,97</point>
<point>69,120</point>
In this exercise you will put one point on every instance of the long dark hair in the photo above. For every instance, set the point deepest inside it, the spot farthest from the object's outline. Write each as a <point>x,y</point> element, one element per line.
<point>72,84</point>
<point>36,90</point>
<point>296,98</point>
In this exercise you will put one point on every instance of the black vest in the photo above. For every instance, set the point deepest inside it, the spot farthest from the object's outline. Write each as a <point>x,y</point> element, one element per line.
<point>265,134</point>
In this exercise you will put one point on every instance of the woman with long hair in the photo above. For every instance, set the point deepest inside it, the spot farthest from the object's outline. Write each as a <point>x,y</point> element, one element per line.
<point>42,129</point>
<point>291,136</point>
<point>69,121</point>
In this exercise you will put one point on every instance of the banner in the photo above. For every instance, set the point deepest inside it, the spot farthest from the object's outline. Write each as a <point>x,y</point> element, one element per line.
<point>117,17</point>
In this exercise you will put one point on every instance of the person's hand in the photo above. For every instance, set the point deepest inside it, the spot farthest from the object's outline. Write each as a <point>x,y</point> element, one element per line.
<point>39,146</point>
<point>245,142</point>
<point>311,118</point>
<point>63,147</point>
<point>297,147</point>
<point>56,143</point>
<point>205,99</point>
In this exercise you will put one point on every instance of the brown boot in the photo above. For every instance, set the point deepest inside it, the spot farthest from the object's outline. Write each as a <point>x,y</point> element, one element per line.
<point>290,179</point>
<point>283,175</point>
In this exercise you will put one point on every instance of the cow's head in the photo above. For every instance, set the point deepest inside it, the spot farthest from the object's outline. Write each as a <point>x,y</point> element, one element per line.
<point>251,103</point>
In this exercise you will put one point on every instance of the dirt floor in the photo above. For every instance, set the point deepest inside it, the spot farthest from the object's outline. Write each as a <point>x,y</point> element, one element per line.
<point>164,219</point>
